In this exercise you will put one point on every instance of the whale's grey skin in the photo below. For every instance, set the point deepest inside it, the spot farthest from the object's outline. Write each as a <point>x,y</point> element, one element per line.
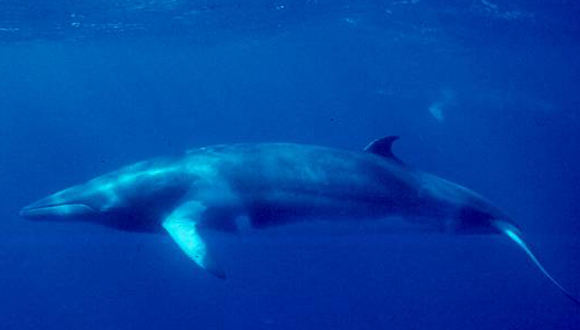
<point>273,184</point>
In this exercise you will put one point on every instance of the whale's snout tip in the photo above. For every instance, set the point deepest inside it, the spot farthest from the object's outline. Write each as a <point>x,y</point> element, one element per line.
<point>33,210</point>
<point>47,208</point>
<point>25,212</point>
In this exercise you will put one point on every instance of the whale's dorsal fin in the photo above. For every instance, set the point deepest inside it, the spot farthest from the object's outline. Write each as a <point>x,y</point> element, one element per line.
<point>183,226</point>
<point>383,147</point>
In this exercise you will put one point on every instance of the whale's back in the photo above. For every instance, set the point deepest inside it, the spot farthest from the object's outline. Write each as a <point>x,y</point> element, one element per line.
<point>281,180</point>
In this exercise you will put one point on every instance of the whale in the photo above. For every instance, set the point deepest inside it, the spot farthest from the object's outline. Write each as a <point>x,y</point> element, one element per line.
<point>258,186</point>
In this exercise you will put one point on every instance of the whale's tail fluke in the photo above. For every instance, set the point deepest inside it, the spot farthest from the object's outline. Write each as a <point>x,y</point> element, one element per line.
<point>514,234</point>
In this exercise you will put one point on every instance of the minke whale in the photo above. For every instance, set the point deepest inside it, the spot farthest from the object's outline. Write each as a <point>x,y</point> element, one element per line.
<point>275,184</point>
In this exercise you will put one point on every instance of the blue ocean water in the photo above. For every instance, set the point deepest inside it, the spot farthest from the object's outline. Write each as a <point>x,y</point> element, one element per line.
<point>484,93</point>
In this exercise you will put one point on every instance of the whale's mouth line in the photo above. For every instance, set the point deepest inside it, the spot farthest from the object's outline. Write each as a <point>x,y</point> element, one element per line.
<point>55,209</point>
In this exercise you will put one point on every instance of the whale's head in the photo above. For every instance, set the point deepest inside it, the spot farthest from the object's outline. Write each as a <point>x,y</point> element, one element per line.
<point>75,203</point>
<point>133,199</point>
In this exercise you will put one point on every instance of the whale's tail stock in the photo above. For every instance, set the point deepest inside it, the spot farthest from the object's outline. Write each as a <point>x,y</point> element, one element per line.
<point>513,233</point>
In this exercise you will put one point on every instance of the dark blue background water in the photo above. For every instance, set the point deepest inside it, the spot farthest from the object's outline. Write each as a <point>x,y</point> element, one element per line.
<point>484,93</point>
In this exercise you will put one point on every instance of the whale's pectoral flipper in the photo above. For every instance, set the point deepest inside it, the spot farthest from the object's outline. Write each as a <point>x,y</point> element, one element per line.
<point>183,226</point>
